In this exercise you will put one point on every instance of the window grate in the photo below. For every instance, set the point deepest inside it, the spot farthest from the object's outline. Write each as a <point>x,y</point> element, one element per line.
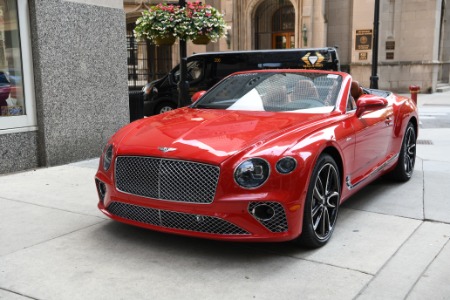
<point>424,142</point>
<point>146,62</point>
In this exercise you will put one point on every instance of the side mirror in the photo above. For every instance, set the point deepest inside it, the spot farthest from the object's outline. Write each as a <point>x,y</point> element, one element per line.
<point>174,78</point>
<point>197,96</point>
<point>369,102</point>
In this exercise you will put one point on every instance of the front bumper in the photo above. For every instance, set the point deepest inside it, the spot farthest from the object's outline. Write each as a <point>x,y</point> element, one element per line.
<point>223,219</point>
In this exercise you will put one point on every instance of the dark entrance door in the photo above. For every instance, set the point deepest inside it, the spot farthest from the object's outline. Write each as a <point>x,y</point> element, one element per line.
<point>284,40</point>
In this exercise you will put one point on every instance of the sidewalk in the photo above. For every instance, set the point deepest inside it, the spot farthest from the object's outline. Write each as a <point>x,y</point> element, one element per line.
<point>391,242</point>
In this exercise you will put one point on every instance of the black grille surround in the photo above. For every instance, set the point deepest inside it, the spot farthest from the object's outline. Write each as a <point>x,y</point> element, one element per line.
<point>175,220</point>
<point>166,179</point>
<point>276,224</point>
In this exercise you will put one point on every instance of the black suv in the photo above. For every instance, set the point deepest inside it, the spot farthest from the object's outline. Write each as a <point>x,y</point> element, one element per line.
<point>206,69</point>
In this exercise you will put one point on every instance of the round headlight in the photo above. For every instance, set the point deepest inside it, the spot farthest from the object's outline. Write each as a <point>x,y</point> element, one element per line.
<point>252,173</point>
<point>107,157</point>
<point>286,165</point>
<point>149,88</point>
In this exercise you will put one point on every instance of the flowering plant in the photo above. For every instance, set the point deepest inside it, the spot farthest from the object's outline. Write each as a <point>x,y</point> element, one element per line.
<point>206,21</point>
<point>162,21</point>
<point>190,22</point>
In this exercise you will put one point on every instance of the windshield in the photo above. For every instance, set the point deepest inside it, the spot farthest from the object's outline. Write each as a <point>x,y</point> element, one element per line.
<point>274,91</point>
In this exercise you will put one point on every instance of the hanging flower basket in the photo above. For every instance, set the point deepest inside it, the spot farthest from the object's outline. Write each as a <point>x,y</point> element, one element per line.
<point>164,41</point>
<point>201,40</point>
<point>206,22</point>
<point>186,23</point>
<point>162,21</point>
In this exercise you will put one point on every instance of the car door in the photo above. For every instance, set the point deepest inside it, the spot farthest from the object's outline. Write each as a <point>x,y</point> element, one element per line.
<point>373,133</point>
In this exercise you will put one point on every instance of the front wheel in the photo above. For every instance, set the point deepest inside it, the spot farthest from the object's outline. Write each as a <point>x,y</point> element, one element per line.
<point>321,204</point>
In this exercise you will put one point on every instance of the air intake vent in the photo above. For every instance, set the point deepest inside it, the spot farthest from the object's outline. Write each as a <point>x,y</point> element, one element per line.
<point>176,220</point>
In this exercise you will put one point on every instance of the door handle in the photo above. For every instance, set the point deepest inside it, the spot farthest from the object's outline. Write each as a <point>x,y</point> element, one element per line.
<point>388,120</point>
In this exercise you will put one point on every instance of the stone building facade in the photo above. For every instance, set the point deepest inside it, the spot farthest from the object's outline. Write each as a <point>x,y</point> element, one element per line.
<point>63,84</point>
<point>64,63</point>
<point>413,48</point>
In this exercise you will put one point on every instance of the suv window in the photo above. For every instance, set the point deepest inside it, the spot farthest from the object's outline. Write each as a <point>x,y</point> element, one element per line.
<point>195,71</point>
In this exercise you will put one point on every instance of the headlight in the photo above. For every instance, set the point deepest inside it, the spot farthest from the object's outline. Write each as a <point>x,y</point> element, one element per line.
<point>286,165</point>
<point>107,157</point>
<point>150,88</point>
<point>147,89</point>
<point>252,173</point>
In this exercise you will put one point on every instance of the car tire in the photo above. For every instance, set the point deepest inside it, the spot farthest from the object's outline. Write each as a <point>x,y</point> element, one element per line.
<point>407,156</point>
<point>321,204</point>
<point>164,107</point>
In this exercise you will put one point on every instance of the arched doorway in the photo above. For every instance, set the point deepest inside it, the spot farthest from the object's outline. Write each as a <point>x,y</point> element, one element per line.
<point>275,25</point>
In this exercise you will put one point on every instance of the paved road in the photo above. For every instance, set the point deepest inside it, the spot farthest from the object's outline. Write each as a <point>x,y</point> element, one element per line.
<point>435,116</point>
<point>391,242</point>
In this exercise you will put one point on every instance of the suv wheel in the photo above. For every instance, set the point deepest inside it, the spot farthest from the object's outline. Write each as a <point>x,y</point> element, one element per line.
<point>164,107</point>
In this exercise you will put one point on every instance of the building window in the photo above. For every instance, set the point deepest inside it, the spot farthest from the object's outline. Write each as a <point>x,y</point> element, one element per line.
<point>17,108</point>
<point>284,19</point>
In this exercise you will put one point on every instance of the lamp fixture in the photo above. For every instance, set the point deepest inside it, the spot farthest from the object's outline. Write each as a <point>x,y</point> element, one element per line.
<point>304,34</point>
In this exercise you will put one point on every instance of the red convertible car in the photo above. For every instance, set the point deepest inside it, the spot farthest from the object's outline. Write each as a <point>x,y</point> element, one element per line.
<point>262,156</point>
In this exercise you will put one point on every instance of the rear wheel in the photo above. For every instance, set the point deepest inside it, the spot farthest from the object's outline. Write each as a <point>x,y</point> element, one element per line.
<point>322,203</point>
<point>407,156</point>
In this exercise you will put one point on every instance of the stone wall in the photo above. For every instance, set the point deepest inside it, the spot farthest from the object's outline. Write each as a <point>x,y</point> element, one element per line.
<point>80,69</point>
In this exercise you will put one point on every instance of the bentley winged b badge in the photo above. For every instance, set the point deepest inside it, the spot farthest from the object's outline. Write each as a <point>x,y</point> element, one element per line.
<point>166,149</point>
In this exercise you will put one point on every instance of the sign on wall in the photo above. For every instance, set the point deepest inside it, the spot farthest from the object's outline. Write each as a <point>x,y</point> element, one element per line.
<point>390,45</point>
<point>363,39</point>
<point>362,55</point>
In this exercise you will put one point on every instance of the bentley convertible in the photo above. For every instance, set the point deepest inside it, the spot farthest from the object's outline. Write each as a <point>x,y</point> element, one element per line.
<point>262,156</point>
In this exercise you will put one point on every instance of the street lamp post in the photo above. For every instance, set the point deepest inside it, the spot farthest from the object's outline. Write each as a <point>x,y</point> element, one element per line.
<point>376,23</point>
<point>183,84</point>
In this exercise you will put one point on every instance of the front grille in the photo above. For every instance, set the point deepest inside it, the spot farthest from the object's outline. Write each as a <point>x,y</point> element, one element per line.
<point>176,220</point>
<point>166,179</point>
<point>278,223</point>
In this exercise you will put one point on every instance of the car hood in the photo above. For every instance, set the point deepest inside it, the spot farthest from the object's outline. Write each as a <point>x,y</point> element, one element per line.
<point>206,135</point>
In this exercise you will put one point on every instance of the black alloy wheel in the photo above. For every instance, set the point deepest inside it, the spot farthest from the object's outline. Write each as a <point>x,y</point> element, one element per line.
<point>322,203</point>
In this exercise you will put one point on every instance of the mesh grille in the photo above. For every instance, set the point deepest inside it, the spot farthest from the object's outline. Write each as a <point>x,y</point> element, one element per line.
<point>278,223</point>
<point>166,179</point>
<point>176,220</point>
